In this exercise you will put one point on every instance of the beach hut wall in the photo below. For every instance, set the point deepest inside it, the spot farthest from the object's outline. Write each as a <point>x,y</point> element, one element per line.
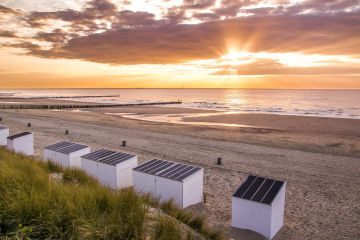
<point>21,143</point>
<point>4,133</point>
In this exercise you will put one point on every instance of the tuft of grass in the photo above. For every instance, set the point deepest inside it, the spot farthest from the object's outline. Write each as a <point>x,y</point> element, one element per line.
<point>53,167</point>
<point>166,229</point>
<point>76,175</point>
<point>193,221</point>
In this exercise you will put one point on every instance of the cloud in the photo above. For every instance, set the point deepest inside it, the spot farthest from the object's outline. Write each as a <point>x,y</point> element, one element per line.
<point>95,10</point>
<point>231,7</point>
<point>198,4</point>
<point>163,44</point>
<point>6,10</point>
<point>8,34</point>
<point>103,33</point>
<point>273,67</point>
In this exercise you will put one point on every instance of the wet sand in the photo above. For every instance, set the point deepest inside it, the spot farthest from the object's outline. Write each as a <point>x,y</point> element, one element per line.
<point>319,159</point>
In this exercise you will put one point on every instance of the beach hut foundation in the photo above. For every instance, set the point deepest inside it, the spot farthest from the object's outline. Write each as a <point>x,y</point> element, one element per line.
<point>218,161</point>
<point>124,143</point>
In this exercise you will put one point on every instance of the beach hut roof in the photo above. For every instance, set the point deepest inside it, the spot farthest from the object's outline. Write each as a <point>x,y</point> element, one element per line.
<point>98,154</point>
<point>57,146</point>
<point>108,157</point>
<point>167,169</point>
<point>259,189</point>
<point>72,148</point>
<point>19,135</point>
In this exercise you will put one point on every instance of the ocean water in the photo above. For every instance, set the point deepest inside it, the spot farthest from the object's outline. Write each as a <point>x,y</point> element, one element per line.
<point>325,103</point>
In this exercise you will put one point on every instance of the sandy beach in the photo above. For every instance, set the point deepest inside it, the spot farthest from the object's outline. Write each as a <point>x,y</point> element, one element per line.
<point>318,157</point>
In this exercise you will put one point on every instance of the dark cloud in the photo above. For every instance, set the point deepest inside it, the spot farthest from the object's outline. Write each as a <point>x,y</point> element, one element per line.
<point>57,36</point>
<point>273,67</point>
<point>322,6</point>
<point>8,34</point>
<point>198,4</point>
<point>132,19</point>
<point>206,16</point>
<point>230,8</point>
<point>6,10</point>
<point>95,10</point>
<point>87,21</point>
<point>180,43</point>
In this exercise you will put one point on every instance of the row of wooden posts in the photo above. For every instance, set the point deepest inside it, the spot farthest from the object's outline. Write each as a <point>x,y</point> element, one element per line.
<point>70,106</point>
<point>61,97</point>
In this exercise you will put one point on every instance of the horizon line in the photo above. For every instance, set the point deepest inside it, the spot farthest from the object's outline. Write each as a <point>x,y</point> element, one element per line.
<point>180,88</point>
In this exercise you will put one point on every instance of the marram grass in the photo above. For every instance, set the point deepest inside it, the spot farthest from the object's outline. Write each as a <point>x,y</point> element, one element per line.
<point>74,206</point>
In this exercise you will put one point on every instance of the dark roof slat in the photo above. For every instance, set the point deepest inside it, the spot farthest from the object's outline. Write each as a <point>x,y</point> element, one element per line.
<point>19,135</point>
<point>71,148</point>
<point>271,194</point>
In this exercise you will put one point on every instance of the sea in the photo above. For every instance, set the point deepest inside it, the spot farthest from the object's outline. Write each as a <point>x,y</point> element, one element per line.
<point>322,103</point>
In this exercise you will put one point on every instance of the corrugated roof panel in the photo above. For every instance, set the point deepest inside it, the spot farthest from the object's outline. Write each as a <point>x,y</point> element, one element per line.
<point>187,174</point>
<point>98,154</point>
<point>145,165</point>
<point>59,145</point>
<point>72,148</point>
<point>167,169</point>
<point>259,189</point>
<point>116,158</point>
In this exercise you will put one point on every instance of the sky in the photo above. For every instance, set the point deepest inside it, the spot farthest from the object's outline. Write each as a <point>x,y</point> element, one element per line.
<point>180,44</point>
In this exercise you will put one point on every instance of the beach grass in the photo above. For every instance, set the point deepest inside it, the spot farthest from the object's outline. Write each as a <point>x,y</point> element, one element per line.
<point>74,206</point>
<point>194,221</point>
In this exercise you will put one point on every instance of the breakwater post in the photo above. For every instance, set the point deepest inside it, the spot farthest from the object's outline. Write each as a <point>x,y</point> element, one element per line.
<point>72,106</point>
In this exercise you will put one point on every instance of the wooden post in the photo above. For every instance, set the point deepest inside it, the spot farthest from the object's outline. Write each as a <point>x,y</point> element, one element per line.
<point>218,161</point>
<point>124,143</point>
<point>66,132</point>
<point>29,124</point>
<point>0,119</point>
<point>204,198</point>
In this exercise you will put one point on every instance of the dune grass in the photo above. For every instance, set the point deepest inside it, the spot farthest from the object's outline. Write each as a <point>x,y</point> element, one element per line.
<point>77,208</point>
<point>192,220</point>
<point>35,206</point>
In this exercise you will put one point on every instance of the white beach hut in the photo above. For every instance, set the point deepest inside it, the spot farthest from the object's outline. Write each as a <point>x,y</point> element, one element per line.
<point>112,169</point>
<point>50,151</point>
<point>259,205</point>
<point>4,133</point>
<point>21,143</point>
<point>66,154</point>
<point>169,180</point>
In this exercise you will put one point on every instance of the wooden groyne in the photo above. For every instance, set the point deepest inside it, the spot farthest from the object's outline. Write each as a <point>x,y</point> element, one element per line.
<point>70,106</point>
<point>58,97</point>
